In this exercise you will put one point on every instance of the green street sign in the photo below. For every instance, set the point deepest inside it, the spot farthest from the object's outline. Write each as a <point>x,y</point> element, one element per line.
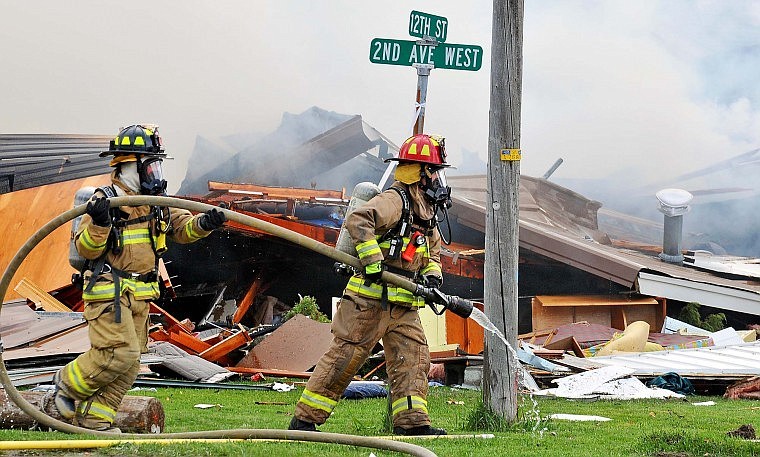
<point>424,25</point>
<point>444,55</point>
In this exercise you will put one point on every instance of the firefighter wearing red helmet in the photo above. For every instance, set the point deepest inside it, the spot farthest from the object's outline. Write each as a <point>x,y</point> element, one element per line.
<point>395,231</point>
<point>122,247</point>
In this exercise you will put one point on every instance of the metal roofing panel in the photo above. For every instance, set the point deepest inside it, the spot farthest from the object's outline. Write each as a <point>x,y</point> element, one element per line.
<point>37,159</point>
<point>572,241</point>
<point>742,359</point>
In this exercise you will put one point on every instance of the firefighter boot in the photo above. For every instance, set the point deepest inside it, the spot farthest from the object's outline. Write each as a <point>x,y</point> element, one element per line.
<point>298,424</point>
<point>417,431</point>
<point>65,404</point>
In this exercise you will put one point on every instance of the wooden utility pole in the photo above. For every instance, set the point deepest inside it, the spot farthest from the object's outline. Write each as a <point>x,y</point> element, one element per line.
<point>502,206</point>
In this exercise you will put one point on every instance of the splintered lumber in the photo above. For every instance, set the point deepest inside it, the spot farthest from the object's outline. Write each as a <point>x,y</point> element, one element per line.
<point>224,347</point>
<point>135,415</point>
<point>29,290</point>
<point>748,389</point>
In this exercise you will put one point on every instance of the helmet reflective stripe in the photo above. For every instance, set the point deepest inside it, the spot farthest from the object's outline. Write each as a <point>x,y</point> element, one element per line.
<point>139,141</point>
<point>124,141</point>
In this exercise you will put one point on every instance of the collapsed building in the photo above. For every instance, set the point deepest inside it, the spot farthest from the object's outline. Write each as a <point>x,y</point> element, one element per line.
<point>571,270</point>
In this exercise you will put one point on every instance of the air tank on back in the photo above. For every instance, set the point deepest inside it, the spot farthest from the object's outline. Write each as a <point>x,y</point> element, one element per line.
<point>80,198</point>
<point>363,192</point>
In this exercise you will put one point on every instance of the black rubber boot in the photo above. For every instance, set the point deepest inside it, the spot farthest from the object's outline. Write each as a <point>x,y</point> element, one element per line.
<point>65,405</point>
<point>417,431</point>
<point>298,424</point>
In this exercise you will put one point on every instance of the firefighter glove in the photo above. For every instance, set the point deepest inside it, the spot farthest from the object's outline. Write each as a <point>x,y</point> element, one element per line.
<point>212,220</point>
<point>432,281</point>
<point>98,211</point>
<point>373,271</point>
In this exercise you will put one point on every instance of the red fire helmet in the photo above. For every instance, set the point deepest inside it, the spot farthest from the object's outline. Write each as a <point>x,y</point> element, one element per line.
<point>423,148</point>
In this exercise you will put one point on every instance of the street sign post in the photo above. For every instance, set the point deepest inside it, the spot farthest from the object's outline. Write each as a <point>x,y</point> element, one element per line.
<point>425,54</point>
<point>444,55</point>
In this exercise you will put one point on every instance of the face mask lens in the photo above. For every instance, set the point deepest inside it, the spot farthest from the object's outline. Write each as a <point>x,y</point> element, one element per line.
<point>152,180</point>
<point>153,171</point>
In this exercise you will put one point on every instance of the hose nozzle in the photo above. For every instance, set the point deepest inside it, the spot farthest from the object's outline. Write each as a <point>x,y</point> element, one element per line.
<point>457,305</point>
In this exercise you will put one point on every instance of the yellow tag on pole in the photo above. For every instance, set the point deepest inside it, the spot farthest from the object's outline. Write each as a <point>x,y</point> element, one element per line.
<point>510,154</point>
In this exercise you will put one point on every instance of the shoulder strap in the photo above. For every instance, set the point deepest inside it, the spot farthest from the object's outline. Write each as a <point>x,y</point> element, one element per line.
<point>402,226</point>
<point>109,191</point>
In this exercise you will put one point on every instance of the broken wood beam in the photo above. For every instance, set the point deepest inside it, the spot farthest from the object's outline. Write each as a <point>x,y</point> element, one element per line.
<point>271,372</point>
<point>26,288</point>
<point>224,347</point>
<point>135,414</point>
<point>188,342</point>
<point>247,300</point>
<point>171,321</point>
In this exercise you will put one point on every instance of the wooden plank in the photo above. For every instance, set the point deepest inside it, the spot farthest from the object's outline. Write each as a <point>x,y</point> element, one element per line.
<point>593,300</point>
<point>271,372</point>
<point>28,289</point>
<point>271,192</point>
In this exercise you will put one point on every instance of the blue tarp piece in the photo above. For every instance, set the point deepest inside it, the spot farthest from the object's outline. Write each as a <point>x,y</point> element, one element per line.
<point>362,389</point>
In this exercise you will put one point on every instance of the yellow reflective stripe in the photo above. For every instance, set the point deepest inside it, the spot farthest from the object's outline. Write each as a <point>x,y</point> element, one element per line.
<point>89,243</point>
<point>367,249</point>
<point>139,141</point>
<point>141,290</point>
<point>409,402</point>
<point>387,243</point>
<point>76,380</point>
<point>136,236</point>
<point>375,290</point>
<point>190,231</point>
<point>125,141</point>
<point>99,292</point>
<point>372,290</point>
<point>431,266</point>
<point>98,410</point>
<point>317,401</point>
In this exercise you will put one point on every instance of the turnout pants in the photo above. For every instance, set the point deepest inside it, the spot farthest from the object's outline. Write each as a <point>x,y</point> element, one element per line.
<point>358,325</point>
<point>100,377</point>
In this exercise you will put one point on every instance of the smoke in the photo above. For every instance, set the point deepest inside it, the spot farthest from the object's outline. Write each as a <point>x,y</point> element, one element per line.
<point>646,90</point>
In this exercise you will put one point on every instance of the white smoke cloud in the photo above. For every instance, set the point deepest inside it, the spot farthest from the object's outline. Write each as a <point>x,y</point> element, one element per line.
<point>656,87</point>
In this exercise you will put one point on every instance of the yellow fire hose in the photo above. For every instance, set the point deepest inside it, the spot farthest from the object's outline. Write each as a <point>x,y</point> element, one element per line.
<point>458,305</point>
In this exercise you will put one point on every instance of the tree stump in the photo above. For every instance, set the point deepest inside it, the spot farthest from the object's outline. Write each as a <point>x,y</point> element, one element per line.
<point>135,414</point>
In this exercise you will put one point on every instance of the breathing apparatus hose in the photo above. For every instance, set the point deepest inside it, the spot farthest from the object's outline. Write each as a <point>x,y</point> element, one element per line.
<point>295,435</point>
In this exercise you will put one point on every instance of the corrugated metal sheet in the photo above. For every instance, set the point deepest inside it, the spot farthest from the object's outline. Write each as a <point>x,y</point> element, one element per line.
<point>32,160</point>
<point>566,232</point>
<point>743,359</point>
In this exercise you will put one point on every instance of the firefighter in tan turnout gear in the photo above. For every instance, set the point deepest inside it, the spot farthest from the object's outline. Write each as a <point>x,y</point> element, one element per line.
<point>395,231</point>
<point>122,247</point>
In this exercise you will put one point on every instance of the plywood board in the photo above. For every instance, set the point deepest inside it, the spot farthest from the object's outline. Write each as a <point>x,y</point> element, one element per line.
<point>25,212</point>
<point>296,346</point>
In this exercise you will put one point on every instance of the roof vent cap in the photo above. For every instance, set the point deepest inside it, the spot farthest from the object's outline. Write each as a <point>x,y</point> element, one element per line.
<point>674,202</point>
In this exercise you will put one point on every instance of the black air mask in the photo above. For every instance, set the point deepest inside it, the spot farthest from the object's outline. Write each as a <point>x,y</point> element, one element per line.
<point>439,195</point>
<point>151,173</point>
<point>437,192</point>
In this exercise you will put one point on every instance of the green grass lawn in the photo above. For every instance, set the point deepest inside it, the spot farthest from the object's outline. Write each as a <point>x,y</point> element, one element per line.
<point>638,428</point>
